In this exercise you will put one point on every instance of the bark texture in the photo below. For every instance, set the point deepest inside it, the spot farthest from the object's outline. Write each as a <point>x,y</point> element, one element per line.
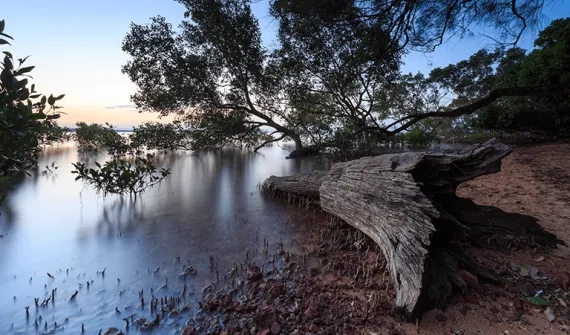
<point>407,204</point>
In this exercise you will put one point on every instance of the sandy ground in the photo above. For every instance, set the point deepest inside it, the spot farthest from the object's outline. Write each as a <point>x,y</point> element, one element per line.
<point>339,284</point>
<point>534,181</point>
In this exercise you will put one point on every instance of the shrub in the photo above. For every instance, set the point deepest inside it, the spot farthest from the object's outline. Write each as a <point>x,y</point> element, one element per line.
<point>121,176</point>
<point>27,118</point>
<point>94,136</point>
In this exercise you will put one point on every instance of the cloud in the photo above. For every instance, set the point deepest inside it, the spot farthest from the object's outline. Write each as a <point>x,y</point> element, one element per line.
<point>122,107</point>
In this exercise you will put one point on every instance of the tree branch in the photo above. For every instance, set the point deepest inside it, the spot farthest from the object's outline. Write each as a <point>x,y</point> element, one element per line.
<point>269,141</point>
<point>478,104</point>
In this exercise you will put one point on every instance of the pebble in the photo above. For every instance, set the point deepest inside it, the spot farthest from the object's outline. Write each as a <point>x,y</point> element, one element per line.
<point>549,314</point>
<point>254,273</point>
<point>313,328</point>
<point>275,328</point>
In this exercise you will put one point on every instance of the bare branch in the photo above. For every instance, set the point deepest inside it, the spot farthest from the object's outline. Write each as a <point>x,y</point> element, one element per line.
<point>269,141</point>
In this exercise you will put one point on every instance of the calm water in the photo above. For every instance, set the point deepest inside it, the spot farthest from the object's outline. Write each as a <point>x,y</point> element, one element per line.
<point>210,205</point>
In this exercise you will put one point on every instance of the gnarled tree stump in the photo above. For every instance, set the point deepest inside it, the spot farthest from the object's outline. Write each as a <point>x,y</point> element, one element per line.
<point>407,204</point>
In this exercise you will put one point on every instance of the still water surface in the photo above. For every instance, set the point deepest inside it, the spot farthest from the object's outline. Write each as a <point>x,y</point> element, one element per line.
<point>210,205</point>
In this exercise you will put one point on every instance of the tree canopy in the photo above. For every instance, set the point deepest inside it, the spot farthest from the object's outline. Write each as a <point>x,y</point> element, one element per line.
<point>546,67</point>
<point>213,72</point>
<point>423,25</point>
<point>334,77</point>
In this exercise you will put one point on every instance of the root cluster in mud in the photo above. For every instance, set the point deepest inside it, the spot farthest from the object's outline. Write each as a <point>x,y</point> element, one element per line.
<point>339,285</point>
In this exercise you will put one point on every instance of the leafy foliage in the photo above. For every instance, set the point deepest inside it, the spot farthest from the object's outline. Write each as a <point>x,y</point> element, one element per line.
<point>94,136</point>
<point>545,66</point>
<point>154,135</point>
<point>423,25</point>
<point>335,68</point>
<point>27,118</point>
<point>121,176</point>
<point>333,78</point>
<point>128,170</point>
<point>214,73</point>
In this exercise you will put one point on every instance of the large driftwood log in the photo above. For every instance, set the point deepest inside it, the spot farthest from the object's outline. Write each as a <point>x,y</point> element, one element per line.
<point>406,203</point>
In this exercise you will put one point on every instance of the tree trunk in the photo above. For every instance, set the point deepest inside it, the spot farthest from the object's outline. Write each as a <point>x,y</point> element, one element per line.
<point>407,204</point>
<point>298,143</point>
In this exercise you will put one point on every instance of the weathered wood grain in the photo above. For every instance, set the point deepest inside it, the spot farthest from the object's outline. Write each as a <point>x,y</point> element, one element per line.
<point>407,204</point>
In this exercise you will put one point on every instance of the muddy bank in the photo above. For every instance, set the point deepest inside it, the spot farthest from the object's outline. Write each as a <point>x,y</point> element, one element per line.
<point>338,284</point>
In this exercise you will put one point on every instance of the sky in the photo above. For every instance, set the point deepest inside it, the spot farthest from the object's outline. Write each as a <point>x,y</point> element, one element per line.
<point>76,48</point>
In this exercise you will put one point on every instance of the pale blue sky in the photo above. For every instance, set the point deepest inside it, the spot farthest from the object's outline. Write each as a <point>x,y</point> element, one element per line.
<point>76,47</point>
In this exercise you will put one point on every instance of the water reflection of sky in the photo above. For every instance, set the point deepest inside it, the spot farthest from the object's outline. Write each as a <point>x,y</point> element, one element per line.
<point>210,205</point>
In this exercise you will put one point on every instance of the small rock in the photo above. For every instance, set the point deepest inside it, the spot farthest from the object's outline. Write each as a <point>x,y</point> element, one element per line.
<point>561,279</point>
<point>275,328</point>
<point>311,312</point>
<point>549,313</point>
<point>264,332</point>
<point>397,331</point>
<point>254,273</point>
<point>276,290</point>
<point>469,278</point>
<point>313,328</point>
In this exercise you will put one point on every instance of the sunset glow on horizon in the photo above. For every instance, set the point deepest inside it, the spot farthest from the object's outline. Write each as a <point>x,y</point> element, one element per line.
<point>76,48</point>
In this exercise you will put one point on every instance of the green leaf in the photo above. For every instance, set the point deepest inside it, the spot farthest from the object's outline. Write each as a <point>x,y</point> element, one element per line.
<point>7,53</point>
<point>54,116</point>
<point>51,100</point>
<point>59,97</point>
<point>25,70</point>
<point>2,25</point>
<point>44,99</point>
<point>6,35</point>
<point>98,164</point>
<point>537,301</point>
<point>3,41</point>
<point>39,116</point>
<point>8,63</point>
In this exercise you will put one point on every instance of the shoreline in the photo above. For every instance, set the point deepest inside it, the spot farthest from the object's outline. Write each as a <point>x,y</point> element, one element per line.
<point>338,285</point>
